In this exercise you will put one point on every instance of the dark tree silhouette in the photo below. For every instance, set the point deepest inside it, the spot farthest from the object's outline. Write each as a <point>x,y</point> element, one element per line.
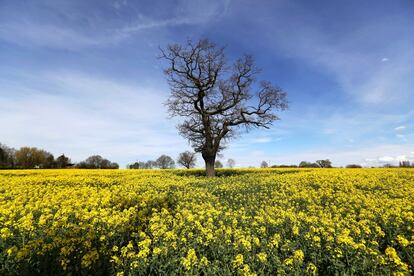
<point>143,165</point>
<point>136,165</point>
<point>305,164</point>
<point>324,163</point>
<point>353,166</point>
<point>187,159</point>
<point>97,162</point>
<point>217,99</point>
<point>62,162</point>
<point>7,157</point>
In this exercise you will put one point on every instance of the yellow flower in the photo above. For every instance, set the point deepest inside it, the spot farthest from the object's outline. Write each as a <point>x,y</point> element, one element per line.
<point>246,244</point>
<point>393,256</point>
<point>246,271</point>
<point>191,259</point>
<point>89,258</point>
<point>238,260</point>
<point>5,233</point>
<point>338,252</point>
<point>298,256</point>
<point>134,264</point>
<point>262,256</point>
<point>288,261</point>
<point>115,260</point>
<point>295,230</point>
<point>64,263</point>
<point>402,241</point>
<point>204,261</point>
<point>312,269</point>
<point>156,251</point>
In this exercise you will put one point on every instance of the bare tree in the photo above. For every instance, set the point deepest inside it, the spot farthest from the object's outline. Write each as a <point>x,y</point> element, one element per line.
<point>165,162</point>
<point>187,159</point>
<point>231,163</point>
<point>215,98</point>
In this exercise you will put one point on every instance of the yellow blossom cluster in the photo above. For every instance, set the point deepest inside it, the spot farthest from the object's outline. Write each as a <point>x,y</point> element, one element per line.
<point>246,222</point>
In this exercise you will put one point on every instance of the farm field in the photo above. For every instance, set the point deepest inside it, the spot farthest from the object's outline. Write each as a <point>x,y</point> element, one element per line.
<point>246,221</point>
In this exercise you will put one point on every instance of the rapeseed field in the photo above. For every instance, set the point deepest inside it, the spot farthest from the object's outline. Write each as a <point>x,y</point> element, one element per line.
<point>245,222</point>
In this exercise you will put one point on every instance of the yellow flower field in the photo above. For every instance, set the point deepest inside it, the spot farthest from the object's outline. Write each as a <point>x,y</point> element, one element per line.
<point>247,222</point>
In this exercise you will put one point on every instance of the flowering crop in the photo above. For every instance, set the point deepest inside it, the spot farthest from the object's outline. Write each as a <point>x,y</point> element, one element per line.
<point>253,221</point>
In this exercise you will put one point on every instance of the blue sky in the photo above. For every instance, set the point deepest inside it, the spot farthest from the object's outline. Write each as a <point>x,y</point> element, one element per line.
<point>82,77</point>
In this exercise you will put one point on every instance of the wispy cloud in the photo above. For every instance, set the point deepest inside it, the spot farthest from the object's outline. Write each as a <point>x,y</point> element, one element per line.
<point>350,57</point>
<point>30,34</point>
<point>24,30</point>
<point>393,159</point>
<point>118,4</point>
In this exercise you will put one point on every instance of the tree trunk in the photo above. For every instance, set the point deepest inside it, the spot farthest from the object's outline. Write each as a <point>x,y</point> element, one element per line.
<point>210,161</point>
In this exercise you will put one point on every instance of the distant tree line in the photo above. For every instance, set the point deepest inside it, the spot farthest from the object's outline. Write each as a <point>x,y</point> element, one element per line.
<point>353,166</point>
<point>34,158</point>
<point>402,164</point>
<point>97,162</point>
<point>326,163</point>
<point>186,159</point>
<point>406,164</point>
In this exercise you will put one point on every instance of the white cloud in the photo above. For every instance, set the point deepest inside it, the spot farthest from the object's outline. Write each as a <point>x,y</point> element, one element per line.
<point>386,159</point>
<point>402,158</point>
<point>384,59</point>
<point>399,128</point>
<point>31,34</point>
<point>118,4</point>
<point>262,140</point>
<point>89,115</point>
